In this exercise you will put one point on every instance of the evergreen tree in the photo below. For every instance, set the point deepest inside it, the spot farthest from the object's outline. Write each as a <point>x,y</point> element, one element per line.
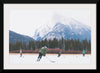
<point>63,44</point>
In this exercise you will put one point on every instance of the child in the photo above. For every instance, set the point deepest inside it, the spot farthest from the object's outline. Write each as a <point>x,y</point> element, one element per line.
<point>42,52</point>
<point>20,52</point>
<point>83,52</point>
<point>59,53</point>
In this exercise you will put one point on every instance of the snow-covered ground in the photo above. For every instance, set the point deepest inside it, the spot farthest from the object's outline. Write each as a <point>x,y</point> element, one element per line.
<point>49,59</point>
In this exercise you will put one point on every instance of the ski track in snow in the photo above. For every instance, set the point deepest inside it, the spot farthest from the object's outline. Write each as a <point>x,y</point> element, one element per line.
<point>50,59</point>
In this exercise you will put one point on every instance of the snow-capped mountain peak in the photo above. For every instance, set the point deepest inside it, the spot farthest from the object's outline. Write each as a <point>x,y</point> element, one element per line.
<point>64,27</point>
<point>41,31</point>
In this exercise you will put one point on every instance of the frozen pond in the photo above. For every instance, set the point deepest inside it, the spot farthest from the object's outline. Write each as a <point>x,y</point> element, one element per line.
<point>49,59</point>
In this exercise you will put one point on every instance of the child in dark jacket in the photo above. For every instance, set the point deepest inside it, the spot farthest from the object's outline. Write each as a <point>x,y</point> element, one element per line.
<point>59,54</point>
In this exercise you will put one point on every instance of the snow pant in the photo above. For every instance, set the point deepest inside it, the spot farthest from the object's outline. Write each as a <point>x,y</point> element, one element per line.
<point>83,54</point>
<point>20,54</point>
<point>58,55</point>
<point>39,57</point>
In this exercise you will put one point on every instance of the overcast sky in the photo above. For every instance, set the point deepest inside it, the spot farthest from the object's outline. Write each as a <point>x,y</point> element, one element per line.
<point>26,21</point>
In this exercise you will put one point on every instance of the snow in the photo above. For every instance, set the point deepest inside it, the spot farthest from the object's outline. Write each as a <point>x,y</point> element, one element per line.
<point>80,33</point>
<point>72,33</point>
<point>50,59</point>
<point>70,27</point>
<point>42,30</point>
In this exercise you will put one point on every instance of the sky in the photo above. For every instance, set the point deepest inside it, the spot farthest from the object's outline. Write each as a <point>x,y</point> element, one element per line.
<point>26,21</point>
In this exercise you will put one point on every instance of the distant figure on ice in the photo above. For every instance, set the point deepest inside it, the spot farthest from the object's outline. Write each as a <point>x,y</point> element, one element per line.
<point>83,52</point>
<point>20,52</point>
<point>42,52</point>
<point>59,54</point>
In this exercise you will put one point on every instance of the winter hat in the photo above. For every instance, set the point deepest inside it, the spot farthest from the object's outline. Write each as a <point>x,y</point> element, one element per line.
<point>45,46</point>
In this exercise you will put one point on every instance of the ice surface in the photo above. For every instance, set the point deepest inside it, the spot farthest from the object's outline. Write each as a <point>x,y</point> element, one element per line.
<point>50,59</point>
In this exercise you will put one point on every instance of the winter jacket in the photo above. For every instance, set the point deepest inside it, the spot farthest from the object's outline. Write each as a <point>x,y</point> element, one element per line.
<point>43,51</point>
<point>83,52</point>
<point>20,51</point>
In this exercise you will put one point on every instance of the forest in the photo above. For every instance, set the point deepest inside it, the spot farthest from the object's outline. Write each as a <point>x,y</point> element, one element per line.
<point>62,44</point>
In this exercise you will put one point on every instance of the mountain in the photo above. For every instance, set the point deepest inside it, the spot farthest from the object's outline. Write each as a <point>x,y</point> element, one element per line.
<point>13,37</point>
<point>41,31</point>
<point>61,30</point>
<point>71,28</point>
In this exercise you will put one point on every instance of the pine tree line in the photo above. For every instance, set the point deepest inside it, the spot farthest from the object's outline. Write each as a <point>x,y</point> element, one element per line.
<point>62,44</point>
